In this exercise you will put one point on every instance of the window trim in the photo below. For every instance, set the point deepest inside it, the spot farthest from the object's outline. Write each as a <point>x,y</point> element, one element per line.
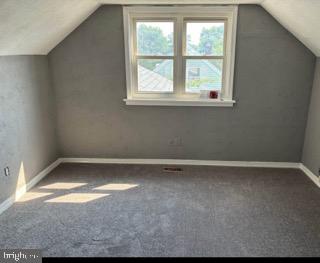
<point>181,15</point>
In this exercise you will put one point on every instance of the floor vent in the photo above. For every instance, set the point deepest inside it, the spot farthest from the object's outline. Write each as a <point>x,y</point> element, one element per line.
<point>172,169</point>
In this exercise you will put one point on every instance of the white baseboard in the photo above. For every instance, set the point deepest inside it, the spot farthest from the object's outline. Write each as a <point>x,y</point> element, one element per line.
<point>292,165</point>
<point>23,189</point>
<point>310,174</point>
<point>182,162</point>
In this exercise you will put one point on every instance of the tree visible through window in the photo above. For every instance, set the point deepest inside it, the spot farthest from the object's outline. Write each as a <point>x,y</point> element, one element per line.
<point>153,38</point>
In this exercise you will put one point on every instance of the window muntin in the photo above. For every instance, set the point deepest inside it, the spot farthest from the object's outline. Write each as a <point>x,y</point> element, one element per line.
<point>174,62</point>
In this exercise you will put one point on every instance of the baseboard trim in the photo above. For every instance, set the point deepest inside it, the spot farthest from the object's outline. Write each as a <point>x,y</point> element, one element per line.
<point>291,165</point>
<point>183,162</point>
<point>310,174</point>
<point>23,189</point>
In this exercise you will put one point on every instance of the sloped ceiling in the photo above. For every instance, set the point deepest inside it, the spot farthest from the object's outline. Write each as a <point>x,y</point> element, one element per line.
<point>300,17</point>
<point>35,27</point>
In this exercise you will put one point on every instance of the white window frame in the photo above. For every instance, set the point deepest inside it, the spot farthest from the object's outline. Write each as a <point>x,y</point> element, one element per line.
<point>180,16</point>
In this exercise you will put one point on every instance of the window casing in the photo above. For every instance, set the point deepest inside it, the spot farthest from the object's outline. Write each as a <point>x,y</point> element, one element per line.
<point>175,89</point>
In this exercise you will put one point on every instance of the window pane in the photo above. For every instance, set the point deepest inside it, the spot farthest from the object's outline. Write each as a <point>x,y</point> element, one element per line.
<point>205,38</point>
<point>155,38</point>
<point>155,75</point>
<point>203,74</point>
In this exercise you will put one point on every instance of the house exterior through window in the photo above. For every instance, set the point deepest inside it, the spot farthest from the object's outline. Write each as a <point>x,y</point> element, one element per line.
<point>173,54</point>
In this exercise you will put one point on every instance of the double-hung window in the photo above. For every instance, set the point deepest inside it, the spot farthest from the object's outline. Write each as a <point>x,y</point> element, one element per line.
<point>178,55</point>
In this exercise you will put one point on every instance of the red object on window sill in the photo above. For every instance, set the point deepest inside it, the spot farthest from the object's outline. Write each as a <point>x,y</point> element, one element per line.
<point>213,94</point>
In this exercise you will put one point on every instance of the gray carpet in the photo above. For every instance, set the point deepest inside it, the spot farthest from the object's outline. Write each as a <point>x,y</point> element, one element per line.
<point>143,211</point>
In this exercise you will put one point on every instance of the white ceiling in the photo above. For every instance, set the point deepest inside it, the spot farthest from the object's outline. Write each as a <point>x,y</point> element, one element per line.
<point>300,17</point>
<point>37,26</point>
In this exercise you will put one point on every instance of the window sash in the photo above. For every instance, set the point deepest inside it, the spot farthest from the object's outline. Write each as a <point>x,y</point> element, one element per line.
<point>136,56</point>
<point>179,76</point>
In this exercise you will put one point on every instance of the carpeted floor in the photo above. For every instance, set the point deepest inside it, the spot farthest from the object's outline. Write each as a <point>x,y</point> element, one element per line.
<point>140,210</point>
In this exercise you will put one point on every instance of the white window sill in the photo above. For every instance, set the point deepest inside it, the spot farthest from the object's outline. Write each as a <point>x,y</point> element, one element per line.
<point>181,102</point>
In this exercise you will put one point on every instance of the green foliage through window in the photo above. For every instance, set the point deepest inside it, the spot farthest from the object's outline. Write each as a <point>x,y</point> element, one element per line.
<point>152,41</point>
<point>211,41</point>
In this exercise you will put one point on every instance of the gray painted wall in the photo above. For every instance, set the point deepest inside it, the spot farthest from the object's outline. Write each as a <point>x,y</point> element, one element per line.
<point>27,133</point>
<point>273,80</point>
<point>311,150</point>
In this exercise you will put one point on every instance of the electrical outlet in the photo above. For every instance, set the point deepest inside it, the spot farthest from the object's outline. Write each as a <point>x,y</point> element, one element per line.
<point>7,171</point>
<point>175,142</point>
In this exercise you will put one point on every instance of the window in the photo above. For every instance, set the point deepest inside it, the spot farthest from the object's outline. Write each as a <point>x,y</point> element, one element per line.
<point>154,55</point>
<point>175,53</point>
